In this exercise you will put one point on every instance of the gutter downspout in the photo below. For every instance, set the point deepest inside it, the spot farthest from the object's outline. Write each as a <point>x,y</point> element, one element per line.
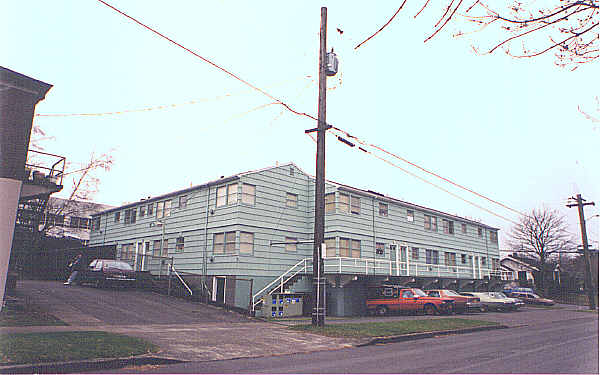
<point>374,238</point>
<point>204,255</point>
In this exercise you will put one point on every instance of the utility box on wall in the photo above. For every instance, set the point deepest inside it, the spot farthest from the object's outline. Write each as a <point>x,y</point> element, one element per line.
<point>282,305</point>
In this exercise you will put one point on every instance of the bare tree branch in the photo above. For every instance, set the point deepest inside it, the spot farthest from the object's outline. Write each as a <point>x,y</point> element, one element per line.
<point>382,27</point>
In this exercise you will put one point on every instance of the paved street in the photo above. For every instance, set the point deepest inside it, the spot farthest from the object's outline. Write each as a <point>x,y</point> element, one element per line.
<point>559,347</point>
<point>540,340</point>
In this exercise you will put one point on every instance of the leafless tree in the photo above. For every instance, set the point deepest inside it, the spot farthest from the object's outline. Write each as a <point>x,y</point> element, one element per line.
<point>592,118</point>
<point>541,235</point>
<point>83,181</point>
<point>569,28</point>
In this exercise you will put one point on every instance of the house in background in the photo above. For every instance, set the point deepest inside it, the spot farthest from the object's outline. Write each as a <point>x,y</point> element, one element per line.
<point>518,271</point>
<point>251,233</point>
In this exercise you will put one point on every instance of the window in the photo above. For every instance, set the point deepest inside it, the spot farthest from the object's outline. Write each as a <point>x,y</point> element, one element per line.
<point>450,259</point>
<point>483,261</point>
<point>355,205</point>
<point>246,243</point>
<point>219,243</point>
<point>410,216</point>
<point>117,216</point>
<point>74,222</point>
<point>183,201</point>
<point>345,247</point>
<point>167,208</point>
<point>430,223</point>
<point>355,249</point>
<point>96,223</point>
<point>448,226</point>
<point>380,248</point>
<point>232,194</point>
<point>495,264</point>
<point>130,216</point>
<point>383,209</point>
<point>330,247</point>
<point>156,248</point>
<point>165,248</point>
<point>291,171</point>
<point>248,194</point>
<point>330,203</point>
<point>479,232</point>
<point>230,242</point>
<point>464,228</point>
<point>407,294</point>
<point>142,211</point>
<point>160,210</point>
<point>291,200</point>
<point>127,251</point>
<point>493,237</point>
<point>463,258</point>
<point>150,208</point>
<point>179,244</point>
<point>290,244</point>
<point>415,253</point>
<point>163,209</point>
<point>432,257</point>
<point>344,203</point>
<point>221,196</point>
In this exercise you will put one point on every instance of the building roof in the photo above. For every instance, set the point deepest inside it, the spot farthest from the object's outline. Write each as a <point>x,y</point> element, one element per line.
<point>369,193</point>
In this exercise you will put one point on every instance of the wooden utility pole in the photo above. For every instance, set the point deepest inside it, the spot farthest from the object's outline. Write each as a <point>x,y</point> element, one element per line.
<point>318,315</point>
<point>589,284</point>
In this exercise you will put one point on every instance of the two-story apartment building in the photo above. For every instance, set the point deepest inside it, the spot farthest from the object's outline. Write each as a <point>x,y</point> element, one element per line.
<point>258,225</point>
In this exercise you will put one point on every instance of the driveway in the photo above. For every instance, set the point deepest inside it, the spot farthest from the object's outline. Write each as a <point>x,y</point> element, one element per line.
<point>183,329</point>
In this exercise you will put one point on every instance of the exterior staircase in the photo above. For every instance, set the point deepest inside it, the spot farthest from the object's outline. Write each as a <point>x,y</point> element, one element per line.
<point>283,282</point>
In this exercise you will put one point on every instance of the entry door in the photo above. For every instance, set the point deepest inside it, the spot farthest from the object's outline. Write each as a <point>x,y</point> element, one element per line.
<point>219,290</point>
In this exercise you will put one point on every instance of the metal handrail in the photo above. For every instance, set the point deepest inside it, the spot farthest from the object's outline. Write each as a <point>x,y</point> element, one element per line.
<point>181,279</point>
<point>280,279</point>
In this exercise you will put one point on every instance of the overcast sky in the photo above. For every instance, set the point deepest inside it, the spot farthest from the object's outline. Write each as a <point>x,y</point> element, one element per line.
<point>507,128</point>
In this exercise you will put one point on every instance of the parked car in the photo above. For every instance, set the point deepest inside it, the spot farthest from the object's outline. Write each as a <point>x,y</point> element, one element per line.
<point>508,291</point>
<point>104,272</point>
<point>502,296</point>
<point>461,303</point>
<point>490,302</point>
<point>532,298</point>
<point>387,298</point>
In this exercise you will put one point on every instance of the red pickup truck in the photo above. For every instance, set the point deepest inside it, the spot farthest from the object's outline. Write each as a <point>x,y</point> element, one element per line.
<point>392,298</point>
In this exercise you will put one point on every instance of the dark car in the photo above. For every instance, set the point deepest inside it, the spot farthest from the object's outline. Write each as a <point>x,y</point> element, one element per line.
<point>532,298</point>
<point>104,272</point>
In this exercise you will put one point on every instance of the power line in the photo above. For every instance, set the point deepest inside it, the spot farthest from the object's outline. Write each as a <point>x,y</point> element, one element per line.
<point>364,143</point>
<point>278,101</point>
<point>156,107</point>
<point>429,182</point>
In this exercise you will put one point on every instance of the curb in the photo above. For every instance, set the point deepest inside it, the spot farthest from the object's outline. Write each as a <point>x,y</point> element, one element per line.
<point>85,365</point>
<point>418,336</point>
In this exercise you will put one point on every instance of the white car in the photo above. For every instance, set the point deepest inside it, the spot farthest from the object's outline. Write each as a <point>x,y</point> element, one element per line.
<point>492,301</point>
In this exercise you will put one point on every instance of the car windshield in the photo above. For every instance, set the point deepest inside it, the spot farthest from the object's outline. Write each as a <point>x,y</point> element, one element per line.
<point>535,295</point>
<point>452,293</point>
<point>117,264</point>
<point>419,292</point>
<point>497,295</point>
<point>501,295</point>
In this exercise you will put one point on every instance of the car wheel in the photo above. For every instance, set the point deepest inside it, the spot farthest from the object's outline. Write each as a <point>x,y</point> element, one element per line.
<point>381,310</point>
<point>430,309</point>
<point>484,309</point>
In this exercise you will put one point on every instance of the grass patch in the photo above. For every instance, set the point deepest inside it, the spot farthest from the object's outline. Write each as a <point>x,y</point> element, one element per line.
<point>587,311</point>
<point>68,346</point>
<point>379,329</point>
<point>27,315</point>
